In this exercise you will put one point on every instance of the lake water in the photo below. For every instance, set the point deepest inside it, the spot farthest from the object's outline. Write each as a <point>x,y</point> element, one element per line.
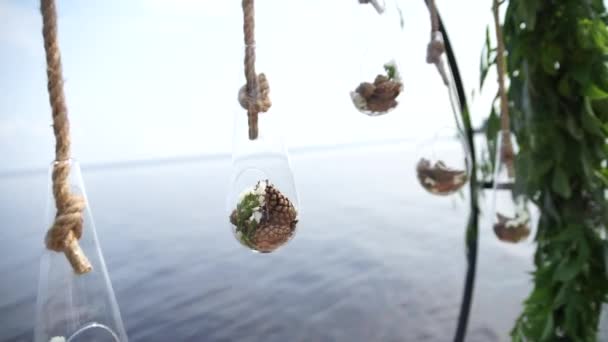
<point>376,258</point>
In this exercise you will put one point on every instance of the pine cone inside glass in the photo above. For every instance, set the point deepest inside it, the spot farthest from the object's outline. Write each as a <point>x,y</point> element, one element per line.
<point>511,230</point>
<point>379,97</point>
<point>264,218</point>
<point>439,179</point>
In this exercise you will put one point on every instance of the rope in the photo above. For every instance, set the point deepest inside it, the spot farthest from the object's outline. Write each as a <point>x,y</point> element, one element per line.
<point>67,228</point>
<point>506,152</point>
<point>377,6</point>
<point>254,96</point>
<point>436,48</point>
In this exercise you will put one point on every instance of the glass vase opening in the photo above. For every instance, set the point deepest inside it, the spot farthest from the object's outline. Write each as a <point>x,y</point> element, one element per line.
<point>511,219</point>
<point>71,306</point>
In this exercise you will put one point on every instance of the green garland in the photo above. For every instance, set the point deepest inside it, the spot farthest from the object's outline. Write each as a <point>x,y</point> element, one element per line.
<point>557,54</point>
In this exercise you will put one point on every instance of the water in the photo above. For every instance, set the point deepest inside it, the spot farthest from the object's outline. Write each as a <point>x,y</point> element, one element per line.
<point>376,258</point>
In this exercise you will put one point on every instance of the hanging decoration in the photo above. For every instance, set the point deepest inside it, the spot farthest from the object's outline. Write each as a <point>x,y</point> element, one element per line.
<point>262,203</point>
<point>511,218</point>
<point>438,178</point>
<point>75,298</point>
<point>380,81</point>
<point>443,168</point>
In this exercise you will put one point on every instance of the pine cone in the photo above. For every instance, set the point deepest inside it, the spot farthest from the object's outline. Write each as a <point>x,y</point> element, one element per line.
<point>274,227</point>
<point>380,97</point>
<point>440,179</point>
<point>279,208</point>
<point>366,89</point>
<point>269,237</point>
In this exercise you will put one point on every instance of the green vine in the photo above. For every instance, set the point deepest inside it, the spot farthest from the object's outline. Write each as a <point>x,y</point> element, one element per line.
<point>557,54</point>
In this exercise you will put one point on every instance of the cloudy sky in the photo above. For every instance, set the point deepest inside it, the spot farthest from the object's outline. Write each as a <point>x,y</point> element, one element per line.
<point>149,79</point>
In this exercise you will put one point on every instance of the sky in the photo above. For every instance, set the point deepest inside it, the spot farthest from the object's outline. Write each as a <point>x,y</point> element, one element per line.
<point>153,79</point>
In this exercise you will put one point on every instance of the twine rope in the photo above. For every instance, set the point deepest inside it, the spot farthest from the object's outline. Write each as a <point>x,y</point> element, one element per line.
<point>436,48</point>
<point>377,6</point>
<point>63,235</point>
<point>254,96</point>
<point>506,152</point>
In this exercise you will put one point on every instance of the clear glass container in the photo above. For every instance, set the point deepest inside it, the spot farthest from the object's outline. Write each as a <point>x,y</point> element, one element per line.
<point>511,219</point>
<point>443,166</point>
<point>73,307</point>
<point>378,84</point>
<point>262,205</point>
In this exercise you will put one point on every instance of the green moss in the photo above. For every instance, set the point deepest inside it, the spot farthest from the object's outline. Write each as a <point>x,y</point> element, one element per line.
<point>244,210</point>
<point>391,71</point>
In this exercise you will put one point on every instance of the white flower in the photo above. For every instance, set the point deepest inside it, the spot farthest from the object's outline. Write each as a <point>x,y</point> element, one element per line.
<point>522,216</point>
<point>244,194</point>
<point>260,188</point>
<point>257,216</point>
<point>429,181</point>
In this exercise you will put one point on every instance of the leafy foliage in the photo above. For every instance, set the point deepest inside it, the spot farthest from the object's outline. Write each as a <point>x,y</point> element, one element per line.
<point>244,211</point>
<point>391,71</point>
<point>557,53</point>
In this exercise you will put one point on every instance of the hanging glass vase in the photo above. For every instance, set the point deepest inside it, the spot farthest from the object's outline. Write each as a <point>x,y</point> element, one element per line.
<point>76,307</point>
<point>510,215</point>
<point>378,84</point>
<point>262,202</point>
<point>442,168</point>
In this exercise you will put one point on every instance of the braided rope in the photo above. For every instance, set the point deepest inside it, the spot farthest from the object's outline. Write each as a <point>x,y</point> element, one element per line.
<point>63,235</point>
<point>254,96</point>
<point>506,152</point>
<point>436,47</point>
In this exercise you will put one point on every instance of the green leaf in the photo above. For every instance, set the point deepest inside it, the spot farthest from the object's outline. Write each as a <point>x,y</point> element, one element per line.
<point>485,63</point>
<point>581,73</point>
<point>560,183</point>
<point>602,176</point>
<point>589,121</point>
<point>561,297</point>
<point>548,331</point>
<point>391,71</point>
<point>564,87</point>
<point>573,128</point>
<point>599,34</point>
<point>595,93</point>
<point>543,167</point>
<point>551,54</point>
<point>566,271</point>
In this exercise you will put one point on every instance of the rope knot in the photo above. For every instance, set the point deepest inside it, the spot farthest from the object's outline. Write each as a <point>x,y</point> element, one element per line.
<point>435,48</point>
<point>68,223</point>
<point>67,226</point>
<point>260,97</point>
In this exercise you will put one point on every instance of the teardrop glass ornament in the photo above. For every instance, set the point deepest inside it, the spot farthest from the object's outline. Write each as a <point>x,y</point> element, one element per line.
<point>510,215</point>
<point>263,206</point>
<point>76,307</point>
<point>377,86</point>
<point>442,168</point>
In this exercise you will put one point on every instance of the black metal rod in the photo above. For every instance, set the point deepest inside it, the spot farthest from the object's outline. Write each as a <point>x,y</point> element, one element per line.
<point>472,227</point>
<point>500,186</point>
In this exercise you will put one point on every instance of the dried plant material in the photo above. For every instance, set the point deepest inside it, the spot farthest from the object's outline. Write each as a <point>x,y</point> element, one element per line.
<point>439,179</point>
<point>264,218</point>
<point>513,229</point>
<point>379,97</point>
